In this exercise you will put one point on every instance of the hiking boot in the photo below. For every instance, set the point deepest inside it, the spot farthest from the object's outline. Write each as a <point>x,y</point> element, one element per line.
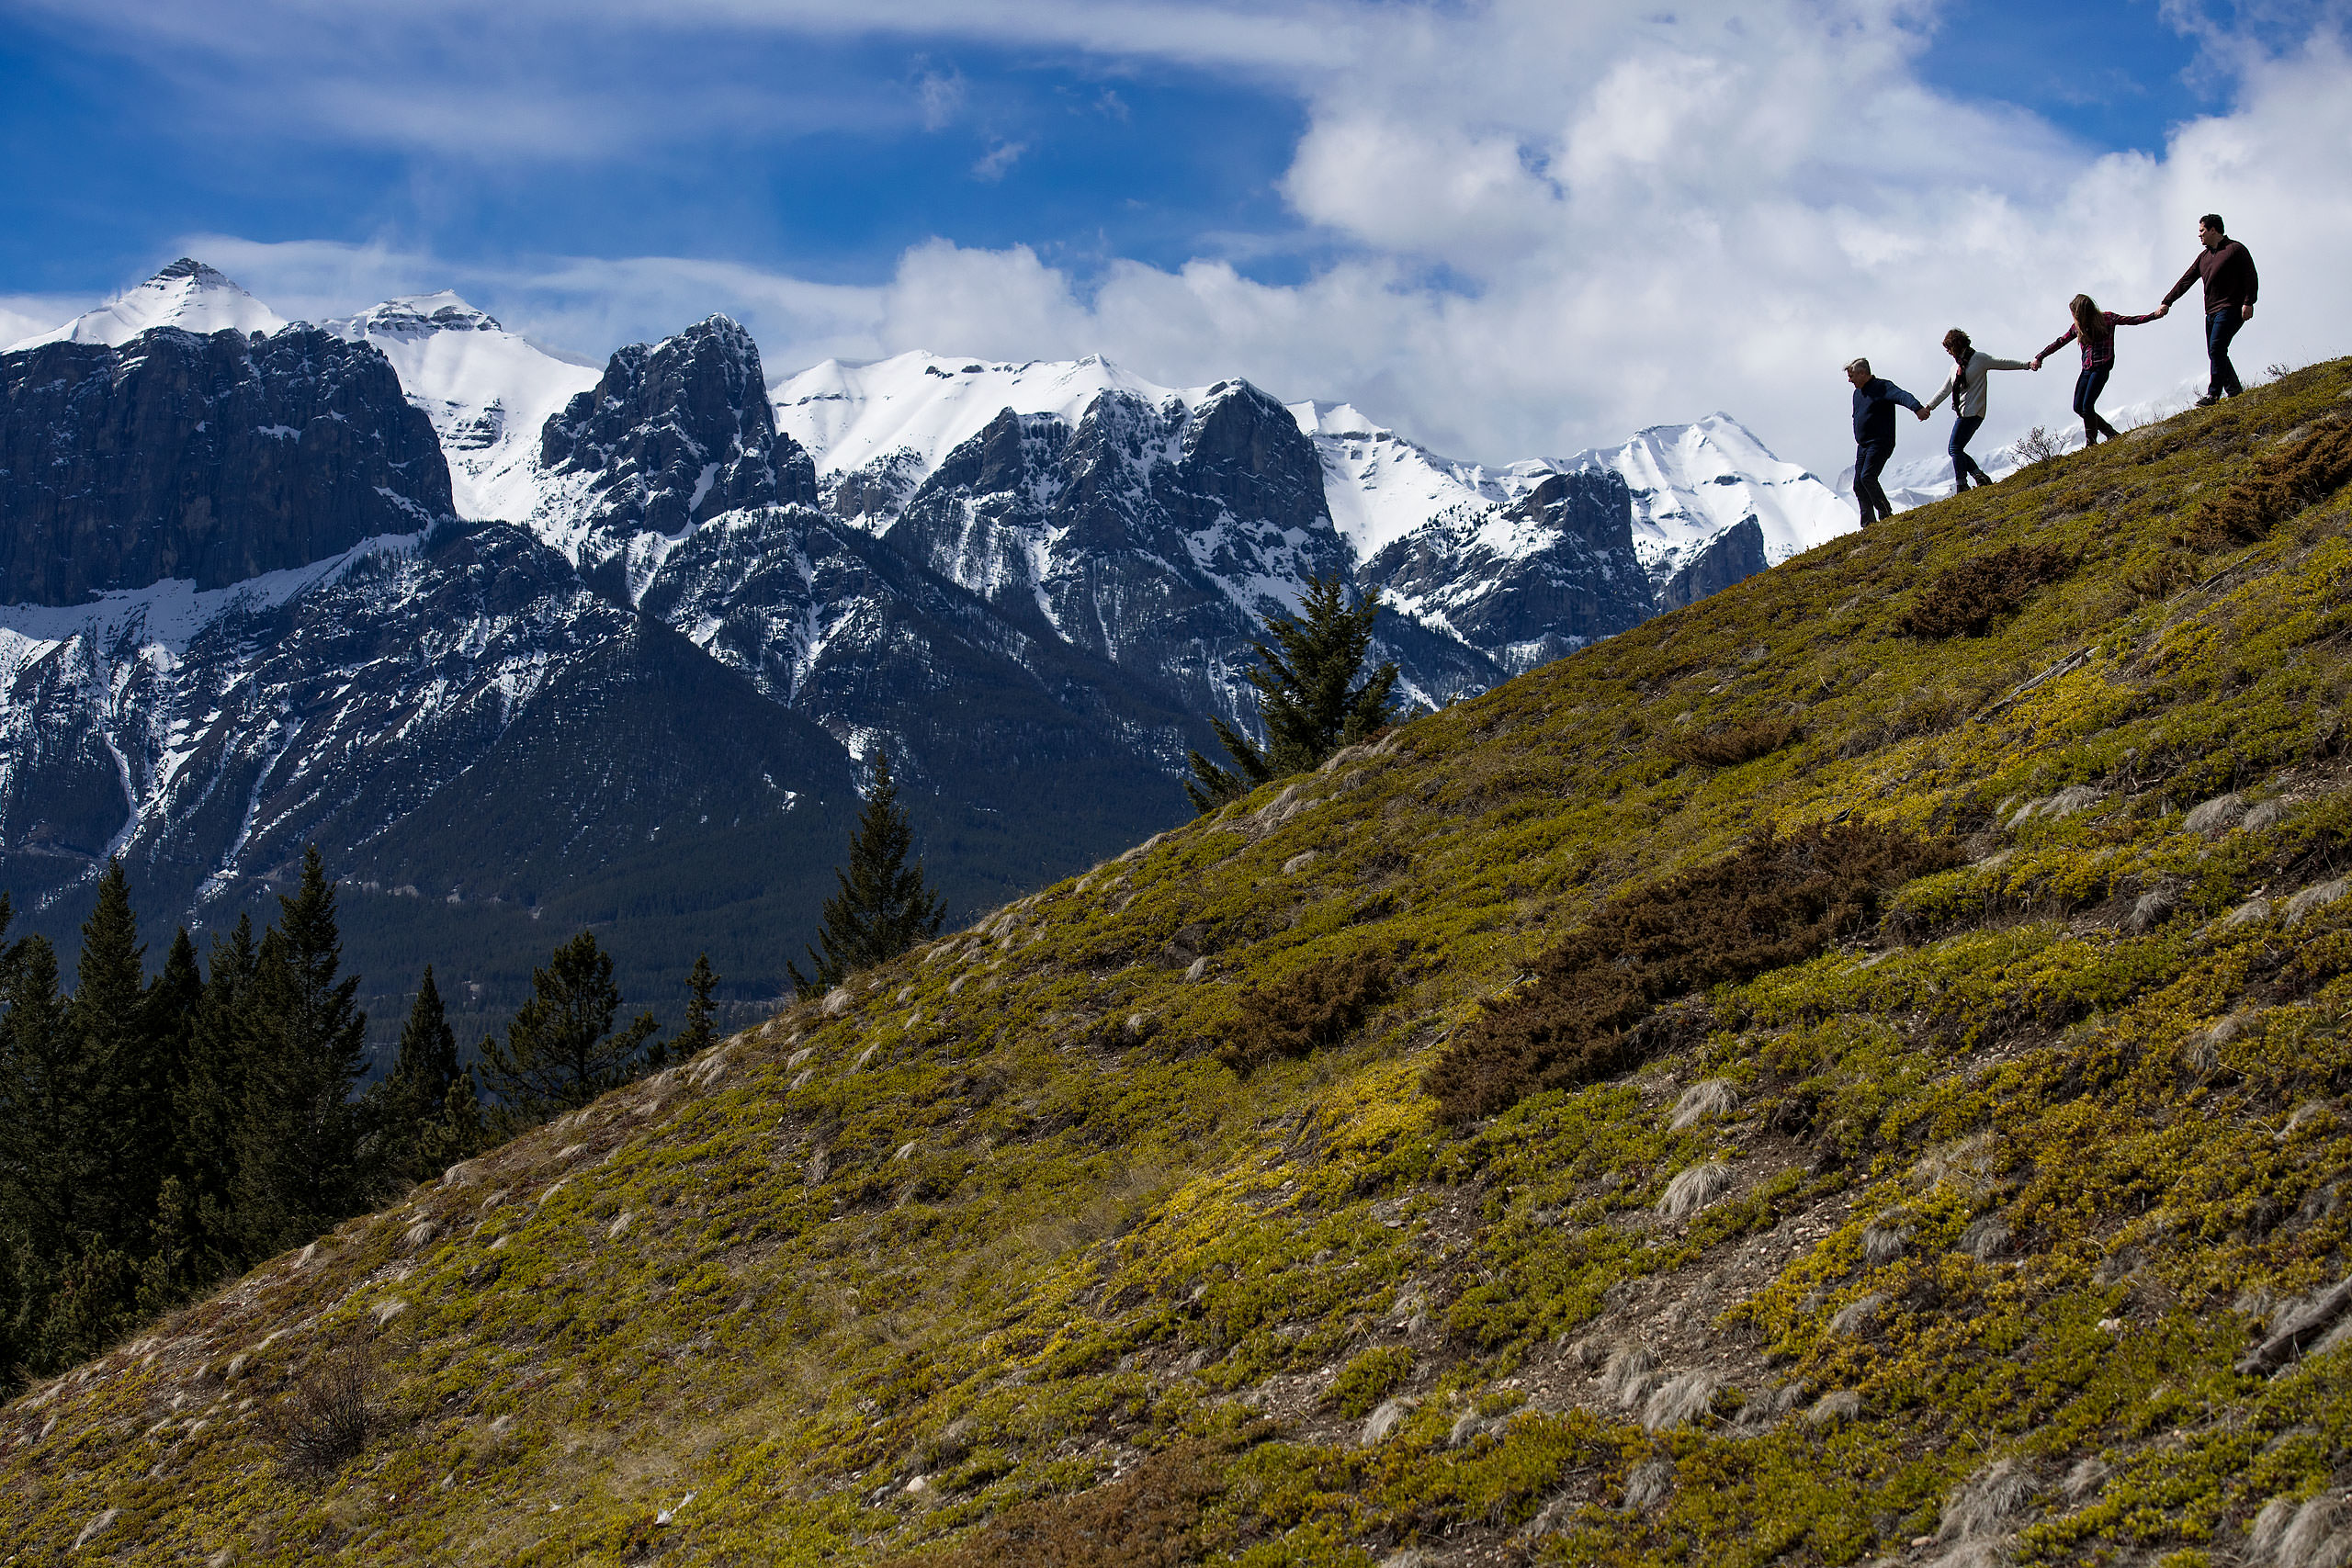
<point>2207,400</point>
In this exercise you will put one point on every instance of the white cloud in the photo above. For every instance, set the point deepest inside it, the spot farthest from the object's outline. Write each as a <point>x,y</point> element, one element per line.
<point>997,160</point>
<point>30,315</point>
<point>1552,224</point>
<point>940,94</point>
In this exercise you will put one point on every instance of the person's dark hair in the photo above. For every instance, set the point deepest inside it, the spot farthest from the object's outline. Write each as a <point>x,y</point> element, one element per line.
<point>2213,220</point>
<point>1956,344</point>
<point>2089,323</point>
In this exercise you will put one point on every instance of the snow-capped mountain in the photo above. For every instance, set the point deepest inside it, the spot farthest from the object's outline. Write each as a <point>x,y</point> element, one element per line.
<point>507,634</point>
<point>876,431</point>
<point>188,295</point>
<point>487,393</point>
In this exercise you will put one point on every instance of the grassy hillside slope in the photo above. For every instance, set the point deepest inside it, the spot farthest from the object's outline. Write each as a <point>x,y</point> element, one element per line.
<point>1999,1227</point>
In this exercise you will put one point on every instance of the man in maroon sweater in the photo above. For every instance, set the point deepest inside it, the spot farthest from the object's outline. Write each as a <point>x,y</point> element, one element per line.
<point>2226,269</point>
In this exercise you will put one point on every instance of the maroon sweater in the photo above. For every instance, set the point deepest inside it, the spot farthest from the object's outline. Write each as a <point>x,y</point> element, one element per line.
<point>2228,273</point>
<point>2100,350</point>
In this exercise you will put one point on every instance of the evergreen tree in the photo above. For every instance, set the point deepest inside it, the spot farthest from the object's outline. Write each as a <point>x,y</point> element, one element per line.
<point>66,1289</point>
<point>426,1114</point>
<point>701,1031</point>
<point>47,1165</point>
<point>561,1049</point>
<point>298,1138</point>
<point>123,1069</point>
<point>427,1064</point>
<point>884,906</point>
<point>210,1106</point>
<point>1309,695</point>
<point>172,1002</point>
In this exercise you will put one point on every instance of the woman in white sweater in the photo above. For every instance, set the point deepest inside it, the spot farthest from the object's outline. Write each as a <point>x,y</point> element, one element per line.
<point>1965,388</point>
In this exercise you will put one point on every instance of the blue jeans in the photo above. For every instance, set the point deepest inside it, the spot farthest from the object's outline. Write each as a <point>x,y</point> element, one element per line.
<point>2087,386</point>
<point>2220,328</point>
<point>1963,465</point>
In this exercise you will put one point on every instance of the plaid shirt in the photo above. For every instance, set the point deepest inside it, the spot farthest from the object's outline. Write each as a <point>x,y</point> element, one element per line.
<point>2100,350</point>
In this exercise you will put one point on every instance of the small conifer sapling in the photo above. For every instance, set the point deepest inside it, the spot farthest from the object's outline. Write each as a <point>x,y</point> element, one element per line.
<point>701,1029</point>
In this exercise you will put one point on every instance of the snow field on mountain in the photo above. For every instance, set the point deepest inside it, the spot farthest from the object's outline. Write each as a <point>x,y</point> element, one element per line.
<point>487,390</point>
<point>1689,482</point>
<point>168,614</point>
<point>188,295</point>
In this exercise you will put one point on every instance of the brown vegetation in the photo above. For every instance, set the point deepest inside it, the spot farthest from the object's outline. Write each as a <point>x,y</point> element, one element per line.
<point>324,1419</point>
<point>1150,1518</point>
<point>2282,483</point>
<point>1585,1014</point>
<point>1318,1006</point>
<point>1971,596</point>
<point>1727,748</point>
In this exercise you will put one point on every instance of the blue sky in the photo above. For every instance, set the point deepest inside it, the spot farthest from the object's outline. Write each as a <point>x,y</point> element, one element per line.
<point>1351,199</point>
<point>881,141</point>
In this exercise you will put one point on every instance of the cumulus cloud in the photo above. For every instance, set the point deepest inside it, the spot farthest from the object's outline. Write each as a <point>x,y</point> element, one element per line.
<point>1539,226</point>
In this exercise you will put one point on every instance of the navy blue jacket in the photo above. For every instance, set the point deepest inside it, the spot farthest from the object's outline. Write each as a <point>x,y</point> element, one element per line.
<point>1875,403</point>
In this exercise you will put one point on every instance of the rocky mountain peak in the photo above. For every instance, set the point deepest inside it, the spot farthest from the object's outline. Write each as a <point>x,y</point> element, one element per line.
<point>186,295</point>
<point>676,432</point>
<point>211,458</point>
<point>413,315</point>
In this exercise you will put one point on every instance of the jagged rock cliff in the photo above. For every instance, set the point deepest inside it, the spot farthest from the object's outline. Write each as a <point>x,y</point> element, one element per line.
<point>214,458</point>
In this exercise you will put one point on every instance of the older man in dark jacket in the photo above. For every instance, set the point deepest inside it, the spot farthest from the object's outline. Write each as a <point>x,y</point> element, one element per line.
<point>2226,268</point>
<point>1875,400</point>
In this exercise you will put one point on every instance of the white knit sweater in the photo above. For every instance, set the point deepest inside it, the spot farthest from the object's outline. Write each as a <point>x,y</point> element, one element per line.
<point>1965,386</point>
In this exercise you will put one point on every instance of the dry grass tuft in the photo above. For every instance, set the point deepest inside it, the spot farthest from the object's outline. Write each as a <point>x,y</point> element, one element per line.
<point>1728,748</point>
<point>326,1418</point>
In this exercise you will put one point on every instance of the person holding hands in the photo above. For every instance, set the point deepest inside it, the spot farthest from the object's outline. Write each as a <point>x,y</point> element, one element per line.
<point>1875,399</point>
<point>2095,328</point>
<point>1972,367</point>
<point>2226,268</point>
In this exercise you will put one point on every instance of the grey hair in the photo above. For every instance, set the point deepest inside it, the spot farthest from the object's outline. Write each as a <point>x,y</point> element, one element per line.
<point>1862,365</point>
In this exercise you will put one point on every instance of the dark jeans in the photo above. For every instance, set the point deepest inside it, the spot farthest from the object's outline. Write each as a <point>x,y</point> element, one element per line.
<point>1869,460</point>
<point>1964,466</point>
<point>2220,328</point>
<point>2087,386</point>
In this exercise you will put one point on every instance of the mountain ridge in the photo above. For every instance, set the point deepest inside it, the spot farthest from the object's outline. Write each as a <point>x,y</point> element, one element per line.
<point>1011,578</point>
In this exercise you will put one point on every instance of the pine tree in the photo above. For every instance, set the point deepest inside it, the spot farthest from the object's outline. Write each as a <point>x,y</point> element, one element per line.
<point>701,1031</point>
<point>884,906</point>
<point>122,1071</point>
<point>210,1105</point>
<point>426,1114</point>
<point>66,1288</point>
<point>427,1064</point>
<point>561,1049</point>
<point>171,1001</point>
<point>299,1166</point>
<point>1309,695</point>
<point>48,1168</point>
